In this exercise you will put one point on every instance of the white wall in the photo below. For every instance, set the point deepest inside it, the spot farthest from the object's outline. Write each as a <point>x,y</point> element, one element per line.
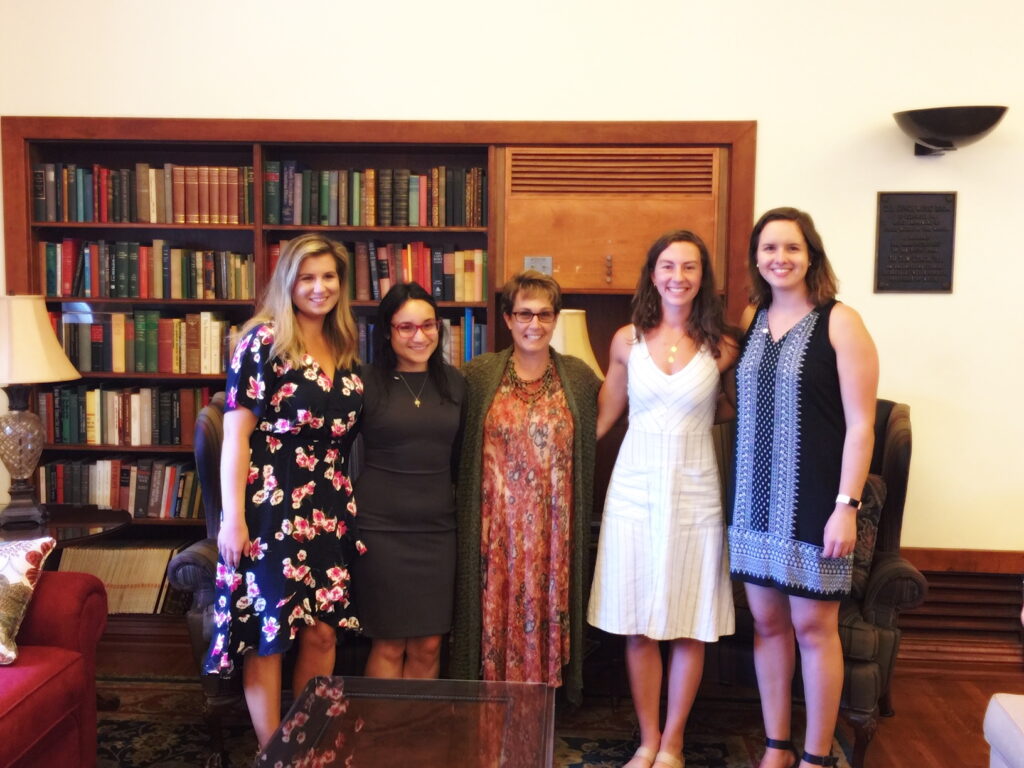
<point>821,79</point>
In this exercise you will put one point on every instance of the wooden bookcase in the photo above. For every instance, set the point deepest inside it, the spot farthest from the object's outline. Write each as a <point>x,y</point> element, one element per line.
<point>563,214</point>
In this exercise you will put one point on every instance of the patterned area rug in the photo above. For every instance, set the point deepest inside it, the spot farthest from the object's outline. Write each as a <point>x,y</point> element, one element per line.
<point>159,724</point>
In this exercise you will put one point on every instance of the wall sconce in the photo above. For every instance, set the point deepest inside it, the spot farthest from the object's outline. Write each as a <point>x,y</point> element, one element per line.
<point>945,129</point>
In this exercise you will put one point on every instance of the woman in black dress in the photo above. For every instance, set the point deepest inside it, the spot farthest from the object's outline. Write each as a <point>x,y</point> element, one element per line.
<point>287,536</point>
<point>806,385</point>
<point>411,425</point>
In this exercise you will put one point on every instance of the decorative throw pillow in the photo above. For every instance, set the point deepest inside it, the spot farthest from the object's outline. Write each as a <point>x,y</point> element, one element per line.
<point>867,533</point>
<point>20,564</point>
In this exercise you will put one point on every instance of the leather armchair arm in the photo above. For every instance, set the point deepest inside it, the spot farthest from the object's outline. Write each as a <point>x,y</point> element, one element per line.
<point>894,585</point>
<point>194,570</point>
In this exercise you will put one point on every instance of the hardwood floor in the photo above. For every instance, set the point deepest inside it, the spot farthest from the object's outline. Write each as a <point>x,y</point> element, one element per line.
<point>939,715</point>
<point>940,705</point>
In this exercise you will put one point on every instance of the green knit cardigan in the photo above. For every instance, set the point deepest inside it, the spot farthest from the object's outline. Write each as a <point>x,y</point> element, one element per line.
<point>483,376</point>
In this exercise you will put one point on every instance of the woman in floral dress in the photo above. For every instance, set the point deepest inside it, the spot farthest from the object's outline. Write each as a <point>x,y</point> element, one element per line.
<point>287,534</point>
<point>524,499</point>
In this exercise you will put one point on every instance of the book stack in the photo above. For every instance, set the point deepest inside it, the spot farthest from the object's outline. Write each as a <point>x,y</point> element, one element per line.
<point>80,414</point>
<point>161,489</point>
<point>157,194</point>
<point>434,197</point>
<point>448,273</point>
<point>145,341</point>
<point>101,269</point>
<point>133,572</point>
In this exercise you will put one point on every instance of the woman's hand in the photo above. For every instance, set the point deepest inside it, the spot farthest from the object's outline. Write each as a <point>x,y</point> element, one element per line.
<point>233,542</point>
<point>840,532</point>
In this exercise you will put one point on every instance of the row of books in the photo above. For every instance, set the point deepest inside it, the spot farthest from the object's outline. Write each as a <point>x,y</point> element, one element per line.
<point>132,270</point>
<point>145,487</point>
<point>134,574</point>
<point>159,194</point>
<point>464,339</point>
<point>438,197</point>
<point>144,341</point>
<point>79,414</point>
<point>447,273</point>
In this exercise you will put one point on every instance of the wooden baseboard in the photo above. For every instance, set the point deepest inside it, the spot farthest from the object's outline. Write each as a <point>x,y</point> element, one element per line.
<point>965,560</point>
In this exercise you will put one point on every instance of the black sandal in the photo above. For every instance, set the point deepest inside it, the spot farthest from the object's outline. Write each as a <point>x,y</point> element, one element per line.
<point>783,744</point>
<point>819,760</point>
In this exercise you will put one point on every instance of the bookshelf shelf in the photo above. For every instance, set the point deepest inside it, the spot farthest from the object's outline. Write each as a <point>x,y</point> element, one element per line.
<point>360,304</point>
<point>170,303</point>
<point>118,448</point>
<point>428,231</point>
<point>148,376</point>
<point>120,225</point>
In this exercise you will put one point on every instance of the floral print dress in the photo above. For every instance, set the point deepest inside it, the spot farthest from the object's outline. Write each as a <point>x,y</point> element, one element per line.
<point>299,507</point>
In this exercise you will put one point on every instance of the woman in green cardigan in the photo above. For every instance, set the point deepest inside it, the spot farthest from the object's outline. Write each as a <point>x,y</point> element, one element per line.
<point>524,500</point>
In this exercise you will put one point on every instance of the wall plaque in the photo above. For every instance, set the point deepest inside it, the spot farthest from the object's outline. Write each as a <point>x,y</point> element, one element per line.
<point>915,242</point>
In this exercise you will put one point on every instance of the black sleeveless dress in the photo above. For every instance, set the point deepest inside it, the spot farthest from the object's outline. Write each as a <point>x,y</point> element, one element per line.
<point>789,450</point>
<point>404,585</point>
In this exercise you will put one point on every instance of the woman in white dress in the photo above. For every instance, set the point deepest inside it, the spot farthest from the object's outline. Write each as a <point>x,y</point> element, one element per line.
<point>662,571</point>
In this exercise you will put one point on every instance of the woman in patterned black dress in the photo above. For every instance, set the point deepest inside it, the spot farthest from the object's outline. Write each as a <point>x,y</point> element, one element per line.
<point>287,534</point>
<point>806,385</point>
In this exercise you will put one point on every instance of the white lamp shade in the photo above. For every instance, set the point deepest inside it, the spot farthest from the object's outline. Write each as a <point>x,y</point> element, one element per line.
<point>29,350</point>
<point>570,337</point>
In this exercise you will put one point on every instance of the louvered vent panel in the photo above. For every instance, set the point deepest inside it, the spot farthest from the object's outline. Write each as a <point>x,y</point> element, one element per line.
<point>613,172</point>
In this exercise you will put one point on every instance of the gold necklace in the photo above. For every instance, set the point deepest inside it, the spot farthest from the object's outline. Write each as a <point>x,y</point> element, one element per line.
<point>675,348</point>
<point>415,395</point>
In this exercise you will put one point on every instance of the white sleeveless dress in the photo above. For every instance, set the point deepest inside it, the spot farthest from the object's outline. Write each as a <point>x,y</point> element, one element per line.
<point>662,567</point>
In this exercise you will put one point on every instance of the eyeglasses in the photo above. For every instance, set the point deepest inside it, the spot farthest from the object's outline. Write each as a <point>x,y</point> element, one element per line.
<point>525,316</point>
<point>408,330</point>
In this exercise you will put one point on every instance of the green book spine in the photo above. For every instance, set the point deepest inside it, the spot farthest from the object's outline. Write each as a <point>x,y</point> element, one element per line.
<point>325,198</point>
<point>133,270</point>
<point>152,340</point>
<point>355,217</point>
<point>51,269</point>
<point>121,270</point>
<point>272,191</point>
<point>139,320</point>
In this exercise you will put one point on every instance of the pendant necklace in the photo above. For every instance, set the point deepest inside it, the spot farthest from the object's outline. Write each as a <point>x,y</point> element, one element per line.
<point>415,395</point>
<point>675,348</point>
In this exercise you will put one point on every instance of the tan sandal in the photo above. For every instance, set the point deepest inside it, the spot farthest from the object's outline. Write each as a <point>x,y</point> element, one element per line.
<point>667,758</point>
<point>644,753</point>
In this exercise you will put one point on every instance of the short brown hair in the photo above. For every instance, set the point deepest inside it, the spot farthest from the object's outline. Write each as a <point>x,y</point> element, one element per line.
<point>821,281</point>
<point>527,282</point>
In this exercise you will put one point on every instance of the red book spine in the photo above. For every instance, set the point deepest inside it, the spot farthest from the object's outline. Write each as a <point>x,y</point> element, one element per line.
<point>94,270</point>
<point>165,345</point>
<point>68,252</point>
<point>60,482</point>
<point>97,174</point>
<point>145,257</point>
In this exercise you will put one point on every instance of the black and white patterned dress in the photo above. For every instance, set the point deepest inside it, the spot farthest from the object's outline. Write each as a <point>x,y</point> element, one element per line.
<point>789,451</point>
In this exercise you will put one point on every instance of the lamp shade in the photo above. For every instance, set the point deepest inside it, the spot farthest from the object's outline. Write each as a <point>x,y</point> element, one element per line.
<point>570,337</point>
<point>29,350</point>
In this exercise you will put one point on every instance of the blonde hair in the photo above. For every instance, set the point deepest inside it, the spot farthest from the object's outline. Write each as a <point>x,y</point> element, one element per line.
<point>276,306</point>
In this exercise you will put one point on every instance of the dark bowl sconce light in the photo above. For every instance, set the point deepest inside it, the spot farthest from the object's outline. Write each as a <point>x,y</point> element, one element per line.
<point>944,129</point>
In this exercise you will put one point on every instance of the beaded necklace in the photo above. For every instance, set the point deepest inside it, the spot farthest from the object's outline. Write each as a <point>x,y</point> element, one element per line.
<point>524,389</point>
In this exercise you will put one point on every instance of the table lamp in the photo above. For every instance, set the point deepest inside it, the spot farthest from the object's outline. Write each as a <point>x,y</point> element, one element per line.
<point>29,354</point>
<point>570,337</point>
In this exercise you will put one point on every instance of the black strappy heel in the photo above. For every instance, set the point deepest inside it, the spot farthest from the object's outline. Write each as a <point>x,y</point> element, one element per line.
<point>783,744</point>
<point>828,760</point>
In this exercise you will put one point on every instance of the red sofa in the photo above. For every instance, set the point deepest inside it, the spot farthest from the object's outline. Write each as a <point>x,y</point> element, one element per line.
<point>48,695</point>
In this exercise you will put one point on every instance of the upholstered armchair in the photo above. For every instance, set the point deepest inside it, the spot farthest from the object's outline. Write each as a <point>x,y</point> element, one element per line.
<point>886,586</point>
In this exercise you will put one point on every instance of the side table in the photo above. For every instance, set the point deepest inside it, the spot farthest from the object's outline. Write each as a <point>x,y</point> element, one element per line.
<point>69,524</point>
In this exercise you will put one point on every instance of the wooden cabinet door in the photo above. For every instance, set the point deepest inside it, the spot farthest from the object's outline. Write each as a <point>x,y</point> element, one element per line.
<point>595,210</point>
